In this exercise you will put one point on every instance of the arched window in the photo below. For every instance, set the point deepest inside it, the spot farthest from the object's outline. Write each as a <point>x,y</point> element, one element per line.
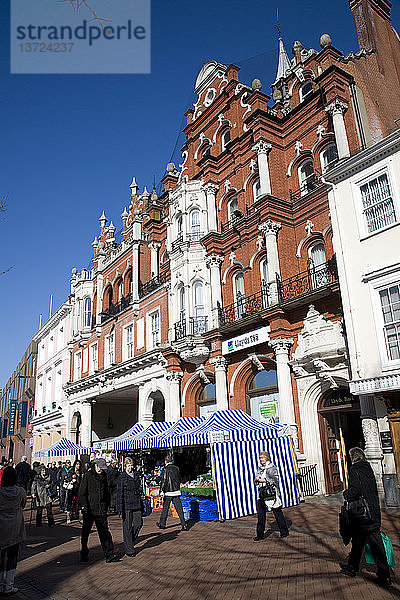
<point>265,282</point>
<point>329,157</point>
<point>88,312</point>
<point>239,295</point>
<point>225,138</point>
<point>120,290</point>
<point>306,177</point>
<point>233,210</point>
<point>181,300</point>
<point>263,397</point>
<point>256,189</point>
<point>179,228</point>
<point>206,151</point>
<point>195,225</point>
<point>128,281</point>
<point>207,400</point>
<point>198,302</point>
<point>107,298</point>
<point>305,90</point>
<point>318,266</point>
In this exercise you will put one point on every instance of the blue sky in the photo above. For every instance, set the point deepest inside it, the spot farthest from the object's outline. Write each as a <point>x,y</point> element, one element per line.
<point>70,144</point>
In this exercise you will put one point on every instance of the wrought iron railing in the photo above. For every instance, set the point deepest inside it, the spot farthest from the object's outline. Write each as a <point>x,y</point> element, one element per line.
<point>189,237</point>
<point>153,284</point>
<point>176,243</point>
<point>245,306</point>
<point>115,309</point>
<point>312,183</point>
<point>309,281</point>
<point>235,220</point>
<point>192,326</point>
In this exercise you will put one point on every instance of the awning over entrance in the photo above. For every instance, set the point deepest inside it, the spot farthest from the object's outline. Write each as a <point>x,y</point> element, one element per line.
<point>61,448</point>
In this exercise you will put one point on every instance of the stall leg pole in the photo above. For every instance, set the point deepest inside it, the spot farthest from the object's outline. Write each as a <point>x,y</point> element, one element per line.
<point>221,520</point>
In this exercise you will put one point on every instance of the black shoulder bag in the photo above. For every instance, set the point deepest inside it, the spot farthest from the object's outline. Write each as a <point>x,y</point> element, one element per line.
<point>358,510</point>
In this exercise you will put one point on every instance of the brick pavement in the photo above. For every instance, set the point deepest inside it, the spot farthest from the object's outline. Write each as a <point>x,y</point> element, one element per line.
<point>212,561</point>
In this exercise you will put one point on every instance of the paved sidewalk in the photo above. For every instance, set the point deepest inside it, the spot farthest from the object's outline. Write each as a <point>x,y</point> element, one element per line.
<point>212,561</point>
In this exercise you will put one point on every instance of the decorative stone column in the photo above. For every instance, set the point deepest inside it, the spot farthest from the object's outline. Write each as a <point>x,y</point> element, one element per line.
<point>221,388</point>
<point>86,423</point>
<point>373,449</point>
<point>263,149</point>
<point>337,109</point>
<point>281,347</point>
<point>135,272</point>
<point>214,262</point>
<point>154,258</point>
<point>211,193</point>
<point>98,308</point>
<point>270,230</point>
<point>145,416</point>
<point>174,409</point>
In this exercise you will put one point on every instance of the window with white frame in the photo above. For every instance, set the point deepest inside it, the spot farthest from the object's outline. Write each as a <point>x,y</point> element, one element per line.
<point>390,304</point>
<point>88,312</point>
<point>238,290</point>
<point>109,350</point>
<point>198,304</point>
<point>233,210</point>
<point>377,203</point>
<point>306,177</point>
<point>225,138</point>
<point>129,342</point>
<point>120,290</point>
<point>318,266</point>
<point>179,228</point>
<point>181,301</point>
<point>305,90</point>
<point>153,324</point>
<point>93,359</point>
<point>78,366</point>
<point>256,189</point>
<point>195,225</point>
<point>265,282</point>
<point>329,157</point>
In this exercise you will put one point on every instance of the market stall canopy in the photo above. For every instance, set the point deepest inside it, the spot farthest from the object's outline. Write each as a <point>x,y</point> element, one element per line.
<point>61,448</point>
<point>139,440</point>
<point>110,443</point>
<point>183,425</point>
<point>228,425</point>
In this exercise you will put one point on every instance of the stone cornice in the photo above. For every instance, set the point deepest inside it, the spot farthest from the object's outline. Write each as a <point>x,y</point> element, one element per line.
<point>60,314</point>
<point>47,417</point>
<point>365,158</point>
<point>383,383</point>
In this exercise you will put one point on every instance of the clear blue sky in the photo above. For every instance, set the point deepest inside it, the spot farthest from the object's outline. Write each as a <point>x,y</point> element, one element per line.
<point>70,144</point>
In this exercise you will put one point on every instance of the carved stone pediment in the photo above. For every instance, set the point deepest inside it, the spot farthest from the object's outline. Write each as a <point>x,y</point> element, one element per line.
<point>193,351</point>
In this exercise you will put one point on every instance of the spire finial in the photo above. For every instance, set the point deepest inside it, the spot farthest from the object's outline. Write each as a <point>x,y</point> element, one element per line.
<point>278,25</point>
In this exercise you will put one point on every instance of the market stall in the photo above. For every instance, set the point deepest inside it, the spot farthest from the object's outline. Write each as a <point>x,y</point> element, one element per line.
<point>63,447</point>
<point>110,444</point>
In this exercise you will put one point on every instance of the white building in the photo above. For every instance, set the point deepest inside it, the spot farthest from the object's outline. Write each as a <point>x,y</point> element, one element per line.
<point>53,367</point>
<point>365,211</point>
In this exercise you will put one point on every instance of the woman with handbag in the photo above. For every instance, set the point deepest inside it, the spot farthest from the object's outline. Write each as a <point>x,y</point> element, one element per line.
<point>362,506</point>
<point>267,482</point>
<point>71,485</point>
<point>40,492</point>
<point>129,504</point>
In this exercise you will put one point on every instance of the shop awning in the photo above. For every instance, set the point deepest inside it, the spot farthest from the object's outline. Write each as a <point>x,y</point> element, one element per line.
<point>61,448</point>
<point>139,440</point>
<point>110,443</point>
<point>228,425</point>
<point>184,424</point>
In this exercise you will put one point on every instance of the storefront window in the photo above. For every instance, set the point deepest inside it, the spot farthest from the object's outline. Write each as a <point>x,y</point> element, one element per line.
<point>207,401</point>
<point>263,397</point>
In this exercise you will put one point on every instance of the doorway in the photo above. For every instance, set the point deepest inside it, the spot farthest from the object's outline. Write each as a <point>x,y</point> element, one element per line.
<point>340,428</point>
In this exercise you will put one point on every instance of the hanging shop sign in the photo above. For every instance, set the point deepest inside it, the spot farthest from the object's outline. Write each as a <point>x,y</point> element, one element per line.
<point>12,412</point>
<point>23,415</point>
<point>217,437</point>
<point>386,440</point>
<point>246,340</point>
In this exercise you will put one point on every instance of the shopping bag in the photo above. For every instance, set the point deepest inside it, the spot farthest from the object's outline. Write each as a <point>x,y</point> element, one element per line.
<point>369,559</point>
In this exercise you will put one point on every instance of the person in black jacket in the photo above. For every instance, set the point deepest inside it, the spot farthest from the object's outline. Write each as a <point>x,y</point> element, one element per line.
<point>24,473</point>
<point>129,504</point>
<point>112,481</point>
<point>362,483</point>
<point>170,487</point>
<point>93,501</point>
<point>63,472</point>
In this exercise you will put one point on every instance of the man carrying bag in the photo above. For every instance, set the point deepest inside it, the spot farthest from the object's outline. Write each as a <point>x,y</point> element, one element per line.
<point>363,510</point>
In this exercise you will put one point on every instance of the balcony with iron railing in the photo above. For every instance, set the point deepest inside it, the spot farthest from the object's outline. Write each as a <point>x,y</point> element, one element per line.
<point>237,218</point>
<point>194,236</point>
<point>245,306</point>
<point>114,309</point>
<point>311,281</point>
<point>310,184</point>
<point>153,284</point>
<point>193,326</point>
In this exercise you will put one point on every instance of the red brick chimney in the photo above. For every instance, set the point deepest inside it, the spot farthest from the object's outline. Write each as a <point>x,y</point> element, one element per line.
<point>371,18</point>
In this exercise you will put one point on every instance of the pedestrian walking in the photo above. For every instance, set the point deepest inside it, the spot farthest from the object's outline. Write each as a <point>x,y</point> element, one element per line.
<point>362,484</point>
<point>40,493</point>
<point>93,501</point>
<point>72,483</point>
<point>24,473</point>
<point>267,482</point>
<point>67,468</point>
<point>53,470</point>
<point>129,504</point>
<point>113,475</point>
<point>12,530</point>
<point>170,485</point>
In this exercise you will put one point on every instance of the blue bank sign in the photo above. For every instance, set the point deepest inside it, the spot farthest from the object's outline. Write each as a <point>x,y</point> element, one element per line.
<point>246,340</point>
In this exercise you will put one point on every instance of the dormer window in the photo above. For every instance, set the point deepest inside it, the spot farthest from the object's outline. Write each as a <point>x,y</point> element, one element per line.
<point>226,138</point>
<point>329,157</point>
<point>305,90</point>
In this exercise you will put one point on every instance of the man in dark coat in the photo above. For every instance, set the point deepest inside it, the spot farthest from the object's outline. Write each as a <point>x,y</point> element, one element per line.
<point>93,501</point>
<point>24,473</point>
<point>62,473</point>
<point>170,487</point>
<point>112,481</point>
<point>362,484</point>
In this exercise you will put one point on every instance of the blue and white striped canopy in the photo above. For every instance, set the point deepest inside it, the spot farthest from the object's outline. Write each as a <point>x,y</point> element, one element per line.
<point>183,425</point>
<point>110,443</point>
<point>140,439</point>
<point>61,448</point>
<point>238,423</point>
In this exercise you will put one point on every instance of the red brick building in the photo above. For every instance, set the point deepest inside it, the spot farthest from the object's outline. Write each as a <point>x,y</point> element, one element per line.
<point>224,292</point>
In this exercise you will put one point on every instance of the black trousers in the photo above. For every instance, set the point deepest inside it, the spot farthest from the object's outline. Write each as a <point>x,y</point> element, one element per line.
<point>178,506</point>
<point>8,558</point>
<point>377,548</point>
<point>131,525</point>
<point>102,530</point>
<point>262,515</point>
<point>39,515</point>
<point>63,498</point>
